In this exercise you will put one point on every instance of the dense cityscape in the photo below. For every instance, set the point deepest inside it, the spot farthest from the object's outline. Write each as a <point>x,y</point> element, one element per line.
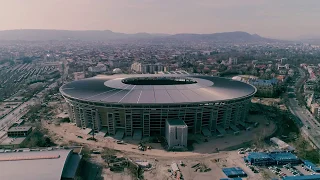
<point>284,75</point>
<point>159,90</point>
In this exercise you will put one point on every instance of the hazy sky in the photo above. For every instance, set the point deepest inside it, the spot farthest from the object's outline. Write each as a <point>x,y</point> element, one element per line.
<point>270,18</point>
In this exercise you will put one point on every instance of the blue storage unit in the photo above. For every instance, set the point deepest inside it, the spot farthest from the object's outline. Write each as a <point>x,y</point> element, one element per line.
<point>231,179</point>
<point>309,177</point>
<point>311,166</point>
<point>234,172</point>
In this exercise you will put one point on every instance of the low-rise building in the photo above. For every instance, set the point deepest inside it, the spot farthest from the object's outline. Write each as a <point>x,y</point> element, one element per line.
<point>19,131</point>
<point>15,136</point>
<point>146,68</point>
<point>266,159</point>
<point>233,61</point>
<point>266,88</point>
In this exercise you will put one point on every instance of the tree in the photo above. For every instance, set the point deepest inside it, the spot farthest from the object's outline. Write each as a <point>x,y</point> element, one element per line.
<point>37,139</point>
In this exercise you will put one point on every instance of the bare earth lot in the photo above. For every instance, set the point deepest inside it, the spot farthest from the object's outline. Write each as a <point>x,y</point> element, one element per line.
<point>67,132</point>
<point>204,152</point>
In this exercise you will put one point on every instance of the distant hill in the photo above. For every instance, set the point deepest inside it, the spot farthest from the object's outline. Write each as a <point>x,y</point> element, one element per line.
<point>107,35</point>
<point>45,35</point>
<point>236,36</point>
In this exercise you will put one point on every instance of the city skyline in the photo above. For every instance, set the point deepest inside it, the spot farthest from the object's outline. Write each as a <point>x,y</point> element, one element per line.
<point>284,20</point>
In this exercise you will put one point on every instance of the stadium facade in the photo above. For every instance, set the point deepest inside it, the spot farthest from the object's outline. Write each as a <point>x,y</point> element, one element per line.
<point>143,103</point>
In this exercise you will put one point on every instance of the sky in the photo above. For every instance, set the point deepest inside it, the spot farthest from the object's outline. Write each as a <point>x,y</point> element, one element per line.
<point>286,19</point>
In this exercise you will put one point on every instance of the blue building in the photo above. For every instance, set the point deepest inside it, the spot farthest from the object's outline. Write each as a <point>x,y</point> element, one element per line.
<point>263,159</point>
<point>259,158</point>
<point>265,88</point>
<point>311,166</point>
<point>285,158</point>
<point>309,177</point>
<point>234,172</point>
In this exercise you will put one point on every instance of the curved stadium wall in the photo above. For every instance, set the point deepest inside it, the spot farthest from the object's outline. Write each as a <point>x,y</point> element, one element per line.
<point>144,103</point>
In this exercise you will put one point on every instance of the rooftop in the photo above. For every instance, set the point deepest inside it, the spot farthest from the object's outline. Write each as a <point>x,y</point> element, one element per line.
<point>308,177</point>
<point>283,156</point>
<point>49,165</point>
<point>234,172</point>
<point>176,122</point>
<point>159,89</point>
<point>12,141</point>
<point>19,128</point>
<point>258,155</point>
<point>311,165</point>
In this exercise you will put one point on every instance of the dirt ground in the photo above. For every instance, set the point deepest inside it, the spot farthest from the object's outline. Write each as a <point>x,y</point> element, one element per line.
<point>161,165</point>
<point>226,159</point>
<point>270,102</point>
<point>266,101</point>
<point>66,132</point>
<point>204,152</point>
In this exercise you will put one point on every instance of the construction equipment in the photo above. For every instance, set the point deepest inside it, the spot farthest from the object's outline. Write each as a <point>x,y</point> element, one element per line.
<point>182,164</point>
<point>200,167</point>
<point>141,147</point>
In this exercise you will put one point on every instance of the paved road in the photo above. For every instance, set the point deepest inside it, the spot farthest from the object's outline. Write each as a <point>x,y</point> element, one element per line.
<point>311,126</point>
<point>22,109</point>
<point>16,114</point>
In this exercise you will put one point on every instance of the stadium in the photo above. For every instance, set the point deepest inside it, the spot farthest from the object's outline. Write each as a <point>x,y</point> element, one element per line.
<point>140,105</point>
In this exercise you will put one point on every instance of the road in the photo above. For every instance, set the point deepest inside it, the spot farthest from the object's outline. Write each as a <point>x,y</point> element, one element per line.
<point>15,114</point>
<point>20,111</point>
<point>311,127</point>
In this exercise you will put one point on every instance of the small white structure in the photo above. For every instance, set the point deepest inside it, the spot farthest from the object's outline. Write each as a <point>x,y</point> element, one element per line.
<point>176,134</point>
<point>117,71</point>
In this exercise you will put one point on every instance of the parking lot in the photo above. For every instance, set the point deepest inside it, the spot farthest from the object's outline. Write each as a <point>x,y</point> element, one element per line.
<point>289,170</point>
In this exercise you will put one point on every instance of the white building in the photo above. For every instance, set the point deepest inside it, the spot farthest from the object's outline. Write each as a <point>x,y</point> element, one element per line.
<point>136,67</point>
<point>98,68</point>
<point>146,68</point>
<point>176,134</point>
<point>233,61</point>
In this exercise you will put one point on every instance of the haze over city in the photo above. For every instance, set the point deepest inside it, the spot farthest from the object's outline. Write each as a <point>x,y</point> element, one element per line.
<point>159,89</point>
<point>286,19</point>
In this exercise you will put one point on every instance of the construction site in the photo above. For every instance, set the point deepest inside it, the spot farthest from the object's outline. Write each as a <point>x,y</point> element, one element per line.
<point>207,157</point>
<point>149,159</point>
